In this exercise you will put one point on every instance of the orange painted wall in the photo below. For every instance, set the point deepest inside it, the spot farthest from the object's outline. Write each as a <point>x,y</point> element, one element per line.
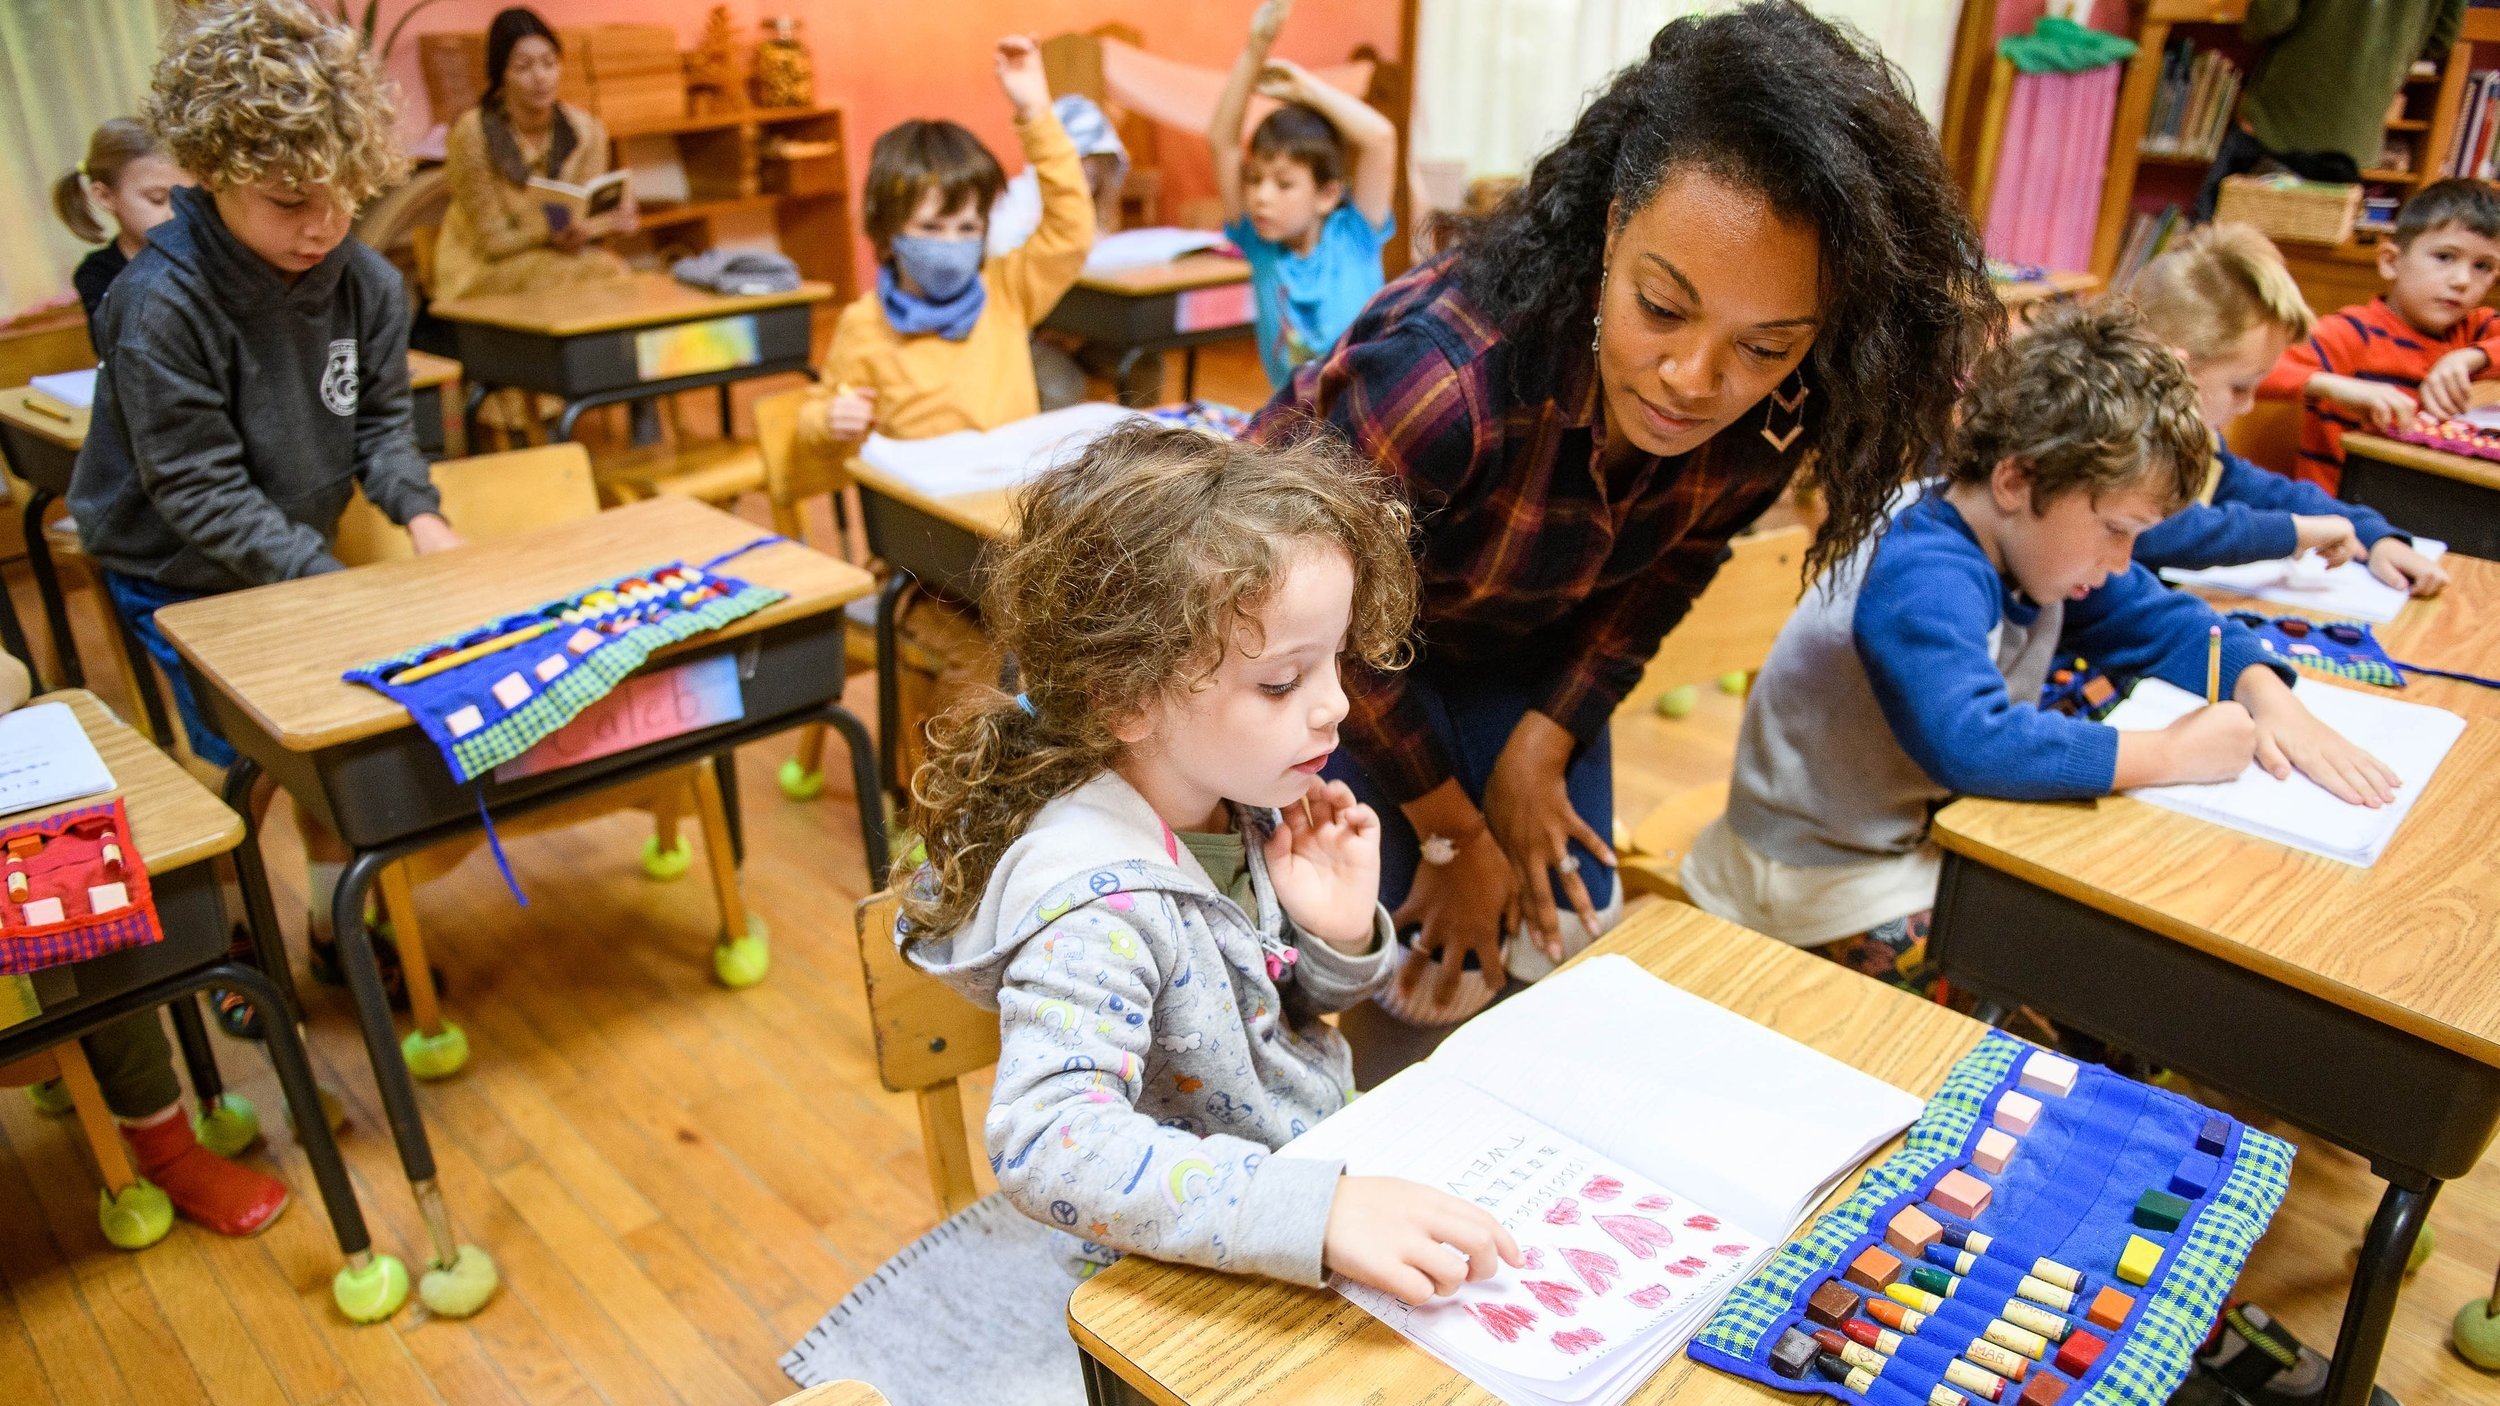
<point>887,60</point>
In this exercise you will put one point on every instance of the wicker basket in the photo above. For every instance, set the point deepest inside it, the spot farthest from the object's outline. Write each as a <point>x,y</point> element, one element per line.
<point>2286,207</point>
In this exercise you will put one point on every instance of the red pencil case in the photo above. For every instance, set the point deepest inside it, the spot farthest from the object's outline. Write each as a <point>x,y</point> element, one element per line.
<point>74,889</point>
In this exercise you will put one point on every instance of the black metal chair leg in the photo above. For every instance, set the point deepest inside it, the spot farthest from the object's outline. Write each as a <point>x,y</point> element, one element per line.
<point>260,911</point>
<point>725,771</point>
<point>198,1056</point>
<point>890,682</point>
<point>373,1015</point>
<point>2376,1282</point>
<point>864,785</point>
<point>303,1101</point>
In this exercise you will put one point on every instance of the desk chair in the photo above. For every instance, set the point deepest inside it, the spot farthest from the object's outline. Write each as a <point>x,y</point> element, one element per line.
<point>791,477</point>
<point>131,662</point>
<point>928,1038</point>
<point>499,495</point>
<point>134,1214</point>
<point>1728,632</point>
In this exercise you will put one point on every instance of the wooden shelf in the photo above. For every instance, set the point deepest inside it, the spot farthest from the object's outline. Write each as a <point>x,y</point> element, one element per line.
<point>2170,158</point>
<point>2408,124</point>
<point>2482,26</point>
<point>2402,178</point>
<point>719,122</point>
<point>2197,11</point>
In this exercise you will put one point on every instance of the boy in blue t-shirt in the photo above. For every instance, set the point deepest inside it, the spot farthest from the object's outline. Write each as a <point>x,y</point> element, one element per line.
<point>1911,674</point>
<point>1313,235</point>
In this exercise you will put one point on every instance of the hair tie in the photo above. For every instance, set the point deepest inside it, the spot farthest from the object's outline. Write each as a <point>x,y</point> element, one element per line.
<point>82,170</point>
<point>1026,704</point>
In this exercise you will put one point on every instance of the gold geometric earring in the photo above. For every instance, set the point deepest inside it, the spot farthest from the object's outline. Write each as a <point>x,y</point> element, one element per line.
<point>1794,405</point>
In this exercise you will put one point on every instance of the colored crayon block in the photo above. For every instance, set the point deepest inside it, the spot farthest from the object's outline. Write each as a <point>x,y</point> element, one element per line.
<point>2214,1136</point>
<point>2159,1210</point>
<point>2017,1112</point>
<point>1875,1268</point>
<point>2076,1355</point>
<point>2110,1308</point>
<point>2045,1073</point>
<point>1793,1354</point>
<point>1912,1231</point>
<point>1996,1148</point>
<point>2137,1262</point>
<point>1832,1304</point>
<point>2042,1390</point>
<point>1961,1194</point>
<point>2197,1173</point>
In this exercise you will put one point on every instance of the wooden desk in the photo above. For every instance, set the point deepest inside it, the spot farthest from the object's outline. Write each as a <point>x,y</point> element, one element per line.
<point>1179,1336</point>
<point>2363,1004</point>
<point>266,664</point>
<point>2053,288</point>
<point>431,381</point>
<point>1146,311</point>
<point>40,448</point>
<point>836,1394</point>
<point>636,337</point>
<point>176,824</point>
<point>2454,497</point>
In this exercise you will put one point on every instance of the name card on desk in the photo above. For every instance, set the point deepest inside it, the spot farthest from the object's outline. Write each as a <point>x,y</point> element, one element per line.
<point>696,348</point>
<point>644,709</point>
<point>1218,305</point>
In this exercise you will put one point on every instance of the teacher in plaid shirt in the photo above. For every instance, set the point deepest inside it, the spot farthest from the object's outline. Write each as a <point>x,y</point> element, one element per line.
<point>1746,259</point>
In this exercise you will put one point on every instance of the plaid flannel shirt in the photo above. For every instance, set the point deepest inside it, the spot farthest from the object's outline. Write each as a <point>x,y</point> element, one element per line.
<point>1533,557</point>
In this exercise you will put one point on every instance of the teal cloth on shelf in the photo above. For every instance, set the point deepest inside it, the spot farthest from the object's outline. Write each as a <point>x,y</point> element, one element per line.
<point>2058,45</point>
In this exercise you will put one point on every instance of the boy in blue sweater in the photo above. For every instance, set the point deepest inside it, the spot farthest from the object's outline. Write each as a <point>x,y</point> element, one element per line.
<point>1908,675</point>
<point>2226,304</point>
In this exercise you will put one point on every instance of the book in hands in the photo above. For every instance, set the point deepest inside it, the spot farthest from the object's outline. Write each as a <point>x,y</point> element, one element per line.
<point>565,202</point>
<point>1672,1147</point>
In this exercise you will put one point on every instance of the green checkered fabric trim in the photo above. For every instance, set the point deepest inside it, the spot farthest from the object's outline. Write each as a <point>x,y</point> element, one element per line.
<point>2368,671</point>
<point>2196,1275</point>
<point>1937,1139</point>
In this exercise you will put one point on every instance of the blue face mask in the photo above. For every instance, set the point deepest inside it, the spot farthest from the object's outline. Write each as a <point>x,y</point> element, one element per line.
<point>943,268</point>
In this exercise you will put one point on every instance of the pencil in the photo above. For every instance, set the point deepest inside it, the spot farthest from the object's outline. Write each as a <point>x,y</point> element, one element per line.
<point>458,657</point>
<point>2213,666</point>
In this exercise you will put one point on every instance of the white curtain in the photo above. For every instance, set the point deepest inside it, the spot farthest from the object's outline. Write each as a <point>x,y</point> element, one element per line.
<point>65,66</point>
<point>1499,81</point>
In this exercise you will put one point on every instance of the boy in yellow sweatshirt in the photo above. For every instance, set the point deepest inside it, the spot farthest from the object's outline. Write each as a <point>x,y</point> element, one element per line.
<point>945,341</point>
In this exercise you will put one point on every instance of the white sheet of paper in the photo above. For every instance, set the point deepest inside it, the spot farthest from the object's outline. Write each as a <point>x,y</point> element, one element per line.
<point>1137,248</point>
<point>970,461</point>
<point>75,389</point>
<point>2410,737</point>
<point>45,758</point>
<point>2348,590</point>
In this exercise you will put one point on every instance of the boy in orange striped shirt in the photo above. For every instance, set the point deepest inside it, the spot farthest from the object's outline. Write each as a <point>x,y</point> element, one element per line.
<point>2415,348</point>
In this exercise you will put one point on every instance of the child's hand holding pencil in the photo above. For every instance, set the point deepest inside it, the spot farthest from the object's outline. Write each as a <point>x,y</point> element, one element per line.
<point>852,412</point>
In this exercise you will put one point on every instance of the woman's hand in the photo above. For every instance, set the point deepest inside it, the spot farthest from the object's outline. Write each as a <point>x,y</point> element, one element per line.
<point>2402,565</point>
<point>428,533</point>
<point>1020,77</point>
<point>1456,908</point>
<point>1411,1241</point>
<point>1529,811</point>
<point>1324,863</point>
<point>852,412</point>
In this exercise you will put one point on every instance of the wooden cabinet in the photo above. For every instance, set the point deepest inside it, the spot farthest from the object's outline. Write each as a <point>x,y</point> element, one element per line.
<point>788,165</point>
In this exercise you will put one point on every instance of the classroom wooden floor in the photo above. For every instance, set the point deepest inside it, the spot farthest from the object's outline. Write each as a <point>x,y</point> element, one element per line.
<point>677,1180</point>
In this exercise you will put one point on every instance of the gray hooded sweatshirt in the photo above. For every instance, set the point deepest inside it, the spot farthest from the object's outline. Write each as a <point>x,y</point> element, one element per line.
<point>1147,1062</point>
<point>236,412</point>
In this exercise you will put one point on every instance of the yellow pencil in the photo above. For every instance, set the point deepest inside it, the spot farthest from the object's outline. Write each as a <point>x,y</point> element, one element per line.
<point>458,657</point>
<point>2213,666</point>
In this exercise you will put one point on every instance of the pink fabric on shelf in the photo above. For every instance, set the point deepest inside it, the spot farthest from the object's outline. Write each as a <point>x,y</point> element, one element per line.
<point>2049,168</point>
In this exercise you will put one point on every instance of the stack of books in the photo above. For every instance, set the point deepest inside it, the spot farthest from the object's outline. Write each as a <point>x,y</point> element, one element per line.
<point>2192,109</point>
<point>2469,147</point>
<point>2147,236</point>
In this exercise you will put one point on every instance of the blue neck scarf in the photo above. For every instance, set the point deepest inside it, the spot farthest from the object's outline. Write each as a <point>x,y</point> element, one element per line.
<point>914,315</point>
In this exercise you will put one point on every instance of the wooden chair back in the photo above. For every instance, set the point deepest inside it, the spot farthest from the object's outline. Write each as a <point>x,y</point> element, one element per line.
<point>421,241</point>
<point>1731,627</point>
<point>791,474</point>
<point>2268,435</point>
<point>44,344</point>
<point>485,496</point>
<point>927,1038</point>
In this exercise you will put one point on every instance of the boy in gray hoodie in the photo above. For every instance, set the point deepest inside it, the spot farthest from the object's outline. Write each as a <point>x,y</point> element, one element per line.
<point>1135,862</point>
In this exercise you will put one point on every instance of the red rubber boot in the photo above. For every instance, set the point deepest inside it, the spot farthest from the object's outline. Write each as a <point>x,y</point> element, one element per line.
<point>224,1196</point>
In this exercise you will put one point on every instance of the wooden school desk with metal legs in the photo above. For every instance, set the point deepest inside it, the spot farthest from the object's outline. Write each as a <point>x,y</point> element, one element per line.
<point>1146,311</point>
<point>2454,497</point>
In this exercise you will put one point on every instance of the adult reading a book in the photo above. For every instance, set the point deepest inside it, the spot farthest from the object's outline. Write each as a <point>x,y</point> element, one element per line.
<point>504,235</point>
<point>1747,258</point>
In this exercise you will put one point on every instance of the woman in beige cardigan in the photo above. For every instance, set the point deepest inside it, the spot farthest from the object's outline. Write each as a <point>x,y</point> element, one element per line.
<point>498,237</point>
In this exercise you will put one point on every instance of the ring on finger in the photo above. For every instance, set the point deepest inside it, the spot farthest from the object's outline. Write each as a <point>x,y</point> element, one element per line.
<point>1568,864</point>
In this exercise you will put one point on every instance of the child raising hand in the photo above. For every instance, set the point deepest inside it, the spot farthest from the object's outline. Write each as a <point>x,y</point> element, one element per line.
<point>1135,862</point>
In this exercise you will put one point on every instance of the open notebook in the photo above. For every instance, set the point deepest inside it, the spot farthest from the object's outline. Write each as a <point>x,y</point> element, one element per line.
<point>1648,1149</point>
<point>971,461</point>
<point>2305,581</point>
<point>2410,737</point>
<point>45,759</point>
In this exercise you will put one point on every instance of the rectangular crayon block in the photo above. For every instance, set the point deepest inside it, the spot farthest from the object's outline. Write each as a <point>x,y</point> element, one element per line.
<point>1996,1148</point>
<point>2076,1355</point>
<point>2214,1136</point>
<point>2042,1390</point>
<point>2110,1308</point>
<point>1793,1355</point>
<point>1961,1194</point>
<point>2045,1073</point>
<point>2197,1173</point>
<point>1832,1304</point>
<point>2159,1210</point>
<point>1912,1231</point>
<point>2137,1262</point>
<point>1875,1268</point>
<point>2017,1112</point>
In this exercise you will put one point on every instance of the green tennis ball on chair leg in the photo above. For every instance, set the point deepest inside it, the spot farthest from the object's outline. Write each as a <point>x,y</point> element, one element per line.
<point>798,783</point>
<point>1679,702</point>
<point>462,1287</point>
<point>665,864</point>
<point>1733,682</point>
<point>435,1056</point>
<point>2476,1334</point>
<point>229,1127</point>
<point>372,1291</point>
<point>2421,1253</point>
<point>137,1218</point>
<point>742,961</point>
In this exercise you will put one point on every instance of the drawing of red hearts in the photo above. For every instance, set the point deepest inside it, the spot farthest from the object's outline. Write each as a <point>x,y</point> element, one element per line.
<point>1505,1321</point>
<point>1578,1340</point>
<point>1564,1211</point>
<point>1531,1257</point>
<point>1602,1188</point>
<point>1561,1300</point>
<point>1701,1222</point>
<point>1654,1203</point>
<point>1731,1251</point>
<point>1639,1234</point>
<point>1652,1296</point>
<point>1686,1267</point>
<point>1595,1268</point>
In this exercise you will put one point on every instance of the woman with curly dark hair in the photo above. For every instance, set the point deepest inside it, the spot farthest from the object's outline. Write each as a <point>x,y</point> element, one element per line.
<point>1747,258</point>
